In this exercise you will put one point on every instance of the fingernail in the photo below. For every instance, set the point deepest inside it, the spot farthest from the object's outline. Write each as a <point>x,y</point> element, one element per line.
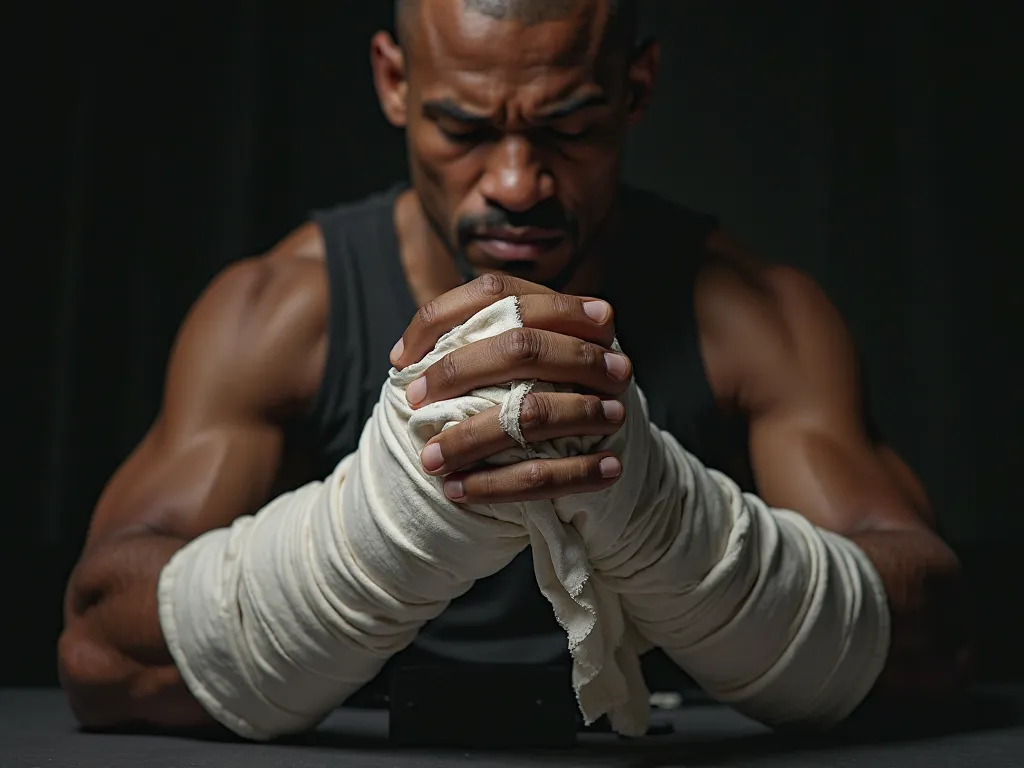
<point>397,350</point>
<point>596,310</point>
<point>432,458</point>
<point>417,391</point>
<point>453,489</point>
<point>614,364</point>
<point>613,410</point>
<point>610,467</point>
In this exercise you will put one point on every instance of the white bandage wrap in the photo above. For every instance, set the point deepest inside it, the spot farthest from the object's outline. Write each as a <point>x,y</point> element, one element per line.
<point>278,619</point>
<point>787,622</point>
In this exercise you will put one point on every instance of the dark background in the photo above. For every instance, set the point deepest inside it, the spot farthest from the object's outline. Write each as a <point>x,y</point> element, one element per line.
<point>874,144</point>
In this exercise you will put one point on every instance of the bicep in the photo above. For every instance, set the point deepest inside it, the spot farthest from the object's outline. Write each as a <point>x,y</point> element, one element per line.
<point>908,482</point>
<point>215,449</point>
<point>832,474</point>
<point>184,484</point>
<point>811,445</point>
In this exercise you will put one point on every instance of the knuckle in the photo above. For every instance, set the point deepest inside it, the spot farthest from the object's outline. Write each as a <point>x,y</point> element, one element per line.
<point>535,476</point>
<point>480,487</point>
<point>578,472</point>
<point>473,435</point>
<point>522,345</point>
<point>589,355</point>
<point>459,438</point>
<point>493,486</point>
<point>592,408</point>
<point>490,284</point>
<point>534,412</point>
<point>586,470</point>
<point>566,306</point>
<point>446,371</point>
<point>429,313</point>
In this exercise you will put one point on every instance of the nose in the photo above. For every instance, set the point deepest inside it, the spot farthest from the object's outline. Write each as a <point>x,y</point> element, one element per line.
<point>514,178</point>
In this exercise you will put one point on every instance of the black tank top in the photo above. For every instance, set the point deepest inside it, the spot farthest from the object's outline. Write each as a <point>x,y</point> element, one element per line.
<point>505,617</point>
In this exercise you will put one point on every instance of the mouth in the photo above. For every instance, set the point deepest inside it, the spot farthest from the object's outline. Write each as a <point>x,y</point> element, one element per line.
<point>518,244</point>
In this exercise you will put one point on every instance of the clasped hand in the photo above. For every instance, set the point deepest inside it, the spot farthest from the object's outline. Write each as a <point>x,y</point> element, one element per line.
<point>564,340</point>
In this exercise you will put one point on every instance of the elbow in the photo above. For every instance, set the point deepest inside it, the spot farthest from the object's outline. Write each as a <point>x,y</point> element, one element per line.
<point>918,697</point>
<point>932,657</point>
<point>92,673</point>
<point>107,690</point>
<point>942,680</point>
<point>94,678</point>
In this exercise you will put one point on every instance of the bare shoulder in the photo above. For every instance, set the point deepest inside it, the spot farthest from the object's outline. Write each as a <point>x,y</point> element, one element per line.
<point>262,317</point>
<point>290,277</point>
<point>768,328</point>
<point>248,355</point>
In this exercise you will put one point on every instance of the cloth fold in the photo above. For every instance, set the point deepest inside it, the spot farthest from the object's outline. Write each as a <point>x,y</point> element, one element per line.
<point>784,620</point>
<point>279,618</point>
<point>606,670</point>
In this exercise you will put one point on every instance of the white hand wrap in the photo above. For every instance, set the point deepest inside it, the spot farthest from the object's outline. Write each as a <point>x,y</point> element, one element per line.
<point>278,619</point>
<point>787,622</point>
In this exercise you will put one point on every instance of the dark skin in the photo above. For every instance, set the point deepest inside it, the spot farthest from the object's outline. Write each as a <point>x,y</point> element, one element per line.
<point>249,357</point>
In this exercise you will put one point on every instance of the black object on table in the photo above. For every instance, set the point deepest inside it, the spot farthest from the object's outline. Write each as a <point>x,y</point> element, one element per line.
<point>493,706</point>
<point>496,706</point>
<point>37,729</point>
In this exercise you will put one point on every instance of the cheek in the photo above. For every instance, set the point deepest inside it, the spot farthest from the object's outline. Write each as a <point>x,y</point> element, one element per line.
<point>604,155</point>
<point>600,168</point>
<point>589,175</point>
<point>594,162</point>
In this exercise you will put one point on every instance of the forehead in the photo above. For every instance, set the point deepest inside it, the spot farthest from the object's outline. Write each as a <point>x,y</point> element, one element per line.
<point>476,57</point>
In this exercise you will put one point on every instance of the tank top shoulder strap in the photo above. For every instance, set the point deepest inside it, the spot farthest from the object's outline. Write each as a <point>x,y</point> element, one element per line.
<point>369,304</point>
<point>654,283</point>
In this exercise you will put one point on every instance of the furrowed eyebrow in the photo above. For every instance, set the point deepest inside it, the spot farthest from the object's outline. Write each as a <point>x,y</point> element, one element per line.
<point>574,105</point>
<point>447,108</point>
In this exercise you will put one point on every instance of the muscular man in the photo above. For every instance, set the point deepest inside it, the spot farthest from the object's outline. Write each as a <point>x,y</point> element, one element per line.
<point>516,114</point>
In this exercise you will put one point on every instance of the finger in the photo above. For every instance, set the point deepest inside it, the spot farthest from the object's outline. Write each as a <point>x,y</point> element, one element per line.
<point>542,416</point>
<point>587,319</point>
<point>522,353</point>
<point>435,318</point>
<point>535,480</point>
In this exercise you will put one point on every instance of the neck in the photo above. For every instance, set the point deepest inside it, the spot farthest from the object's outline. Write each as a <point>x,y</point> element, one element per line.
<point>430,269</point>
<point>589,279</point>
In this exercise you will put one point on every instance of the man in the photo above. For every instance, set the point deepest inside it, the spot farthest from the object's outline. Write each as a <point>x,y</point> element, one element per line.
<point>515,114</point>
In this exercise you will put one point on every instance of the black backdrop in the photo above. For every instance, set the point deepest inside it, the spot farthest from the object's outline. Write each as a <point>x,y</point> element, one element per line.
<point>874,144</point>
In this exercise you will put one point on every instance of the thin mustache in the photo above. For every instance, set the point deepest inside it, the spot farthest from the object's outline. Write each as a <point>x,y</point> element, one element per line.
<point>493,221</point>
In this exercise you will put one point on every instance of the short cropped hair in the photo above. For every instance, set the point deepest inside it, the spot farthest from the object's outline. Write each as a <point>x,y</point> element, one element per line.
<point>624,14</point>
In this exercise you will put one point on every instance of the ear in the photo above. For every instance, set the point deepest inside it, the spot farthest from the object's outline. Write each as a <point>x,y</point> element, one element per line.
<point>389,77</point>
<point>643,70</point>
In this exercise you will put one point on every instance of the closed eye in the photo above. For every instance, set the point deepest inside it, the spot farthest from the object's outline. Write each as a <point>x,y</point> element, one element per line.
<point>467,136</point>
<point>568,135</point>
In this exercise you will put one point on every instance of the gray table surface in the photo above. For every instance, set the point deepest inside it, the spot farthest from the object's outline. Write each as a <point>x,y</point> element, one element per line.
<point>37,730</point>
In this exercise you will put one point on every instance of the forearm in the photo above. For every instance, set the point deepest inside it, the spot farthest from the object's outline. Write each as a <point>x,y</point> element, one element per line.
<point>785,621</point>
<point>278,619</point>
<point>112,658</point>
<point>273,622</point>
